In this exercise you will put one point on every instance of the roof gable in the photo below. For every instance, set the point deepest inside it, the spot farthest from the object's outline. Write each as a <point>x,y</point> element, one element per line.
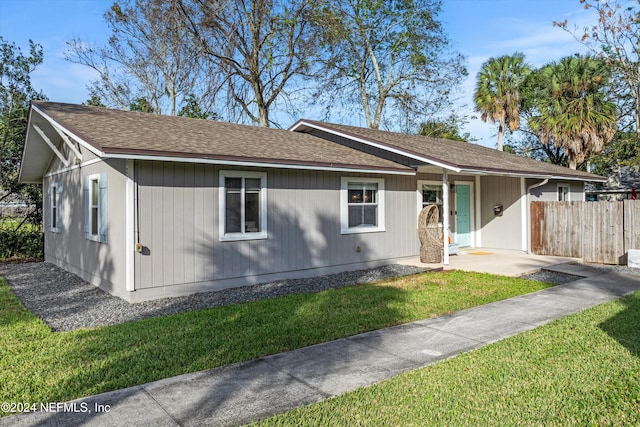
<point>457,156</point>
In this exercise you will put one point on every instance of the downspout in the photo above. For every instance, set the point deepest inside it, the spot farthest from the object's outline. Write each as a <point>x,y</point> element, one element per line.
<point>529,188</point>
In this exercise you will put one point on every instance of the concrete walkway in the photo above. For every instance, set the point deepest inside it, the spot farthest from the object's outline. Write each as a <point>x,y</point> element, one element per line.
<point>505,263</point>
<point>241,393</point>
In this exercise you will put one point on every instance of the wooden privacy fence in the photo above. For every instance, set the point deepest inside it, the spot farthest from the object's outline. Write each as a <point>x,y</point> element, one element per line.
<point>600,232</point>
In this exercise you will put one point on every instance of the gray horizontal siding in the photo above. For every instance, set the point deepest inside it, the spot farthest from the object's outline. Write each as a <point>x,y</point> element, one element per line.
<point>549,191</point>
<point>102,264</point>
<point>179,216</point>
<point>505,231</point>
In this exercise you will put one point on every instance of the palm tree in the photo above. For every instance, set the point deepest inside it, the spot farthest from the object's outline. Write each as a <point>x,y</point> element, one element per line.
<point>497,94</point>
<point>573,111</point>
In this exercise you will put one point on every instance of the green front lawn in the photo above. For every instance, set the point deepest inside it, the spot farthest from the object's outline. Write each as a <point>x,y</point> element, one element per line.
<point>37,365</point>
<point>583,370</point>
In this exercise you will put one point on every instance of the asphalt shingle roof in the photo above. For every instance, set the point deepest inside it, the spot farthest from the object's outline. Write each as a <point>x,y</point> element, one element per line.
<point>116,132</point>
<point>458,154</point>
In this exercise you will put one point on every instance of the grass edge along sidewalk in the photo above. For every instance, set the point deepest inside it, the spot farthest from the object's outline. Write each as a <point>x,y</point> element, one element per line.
<point>580,370</point>
<point>37,365</point>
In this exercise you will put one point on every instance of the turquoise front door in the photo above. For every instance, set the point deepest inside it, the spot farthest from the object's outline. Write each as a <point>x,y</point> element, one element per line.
<point>463,215</point>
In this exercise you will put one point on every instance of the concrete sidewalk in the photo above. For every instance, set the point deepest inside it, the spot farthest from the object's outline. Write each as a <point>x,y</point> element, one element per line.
<point>244,392</point>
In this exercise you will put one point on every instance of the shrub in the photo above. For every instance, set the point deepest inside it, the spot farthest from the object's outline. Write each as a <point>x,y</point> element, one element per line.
<point>21,243</point>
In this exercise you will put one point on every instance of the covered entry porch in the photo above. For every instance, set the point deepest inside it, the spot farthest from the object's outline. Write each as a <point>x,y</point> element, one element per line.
<point>481,210</point>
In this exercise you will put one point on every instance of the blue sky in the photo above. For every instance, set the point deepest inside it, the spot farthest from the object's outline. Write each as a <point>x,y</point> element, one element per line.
<point>479,29</point>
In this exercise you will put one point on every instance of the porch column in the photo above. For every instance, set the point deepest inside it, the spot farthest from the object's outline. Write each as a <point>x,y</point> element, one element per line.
<point>129,247</point>
<point>445,215</point>
<point>524,217</point>
<point>478,216</point>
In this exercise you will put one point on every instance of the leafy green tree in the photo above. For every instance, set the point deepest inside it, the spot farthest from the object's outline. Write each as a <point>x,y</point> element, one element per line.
<point>615,39</point>
<point>390,59</point>
<point>94,101</point>
<point>572,109</point>
<point>142,105</point>
<point>497,94</point>
<point>16,93</point>
<point>526,144</point>
<point>441,128</point>
<point>193,110</point>
<point>624,150</point>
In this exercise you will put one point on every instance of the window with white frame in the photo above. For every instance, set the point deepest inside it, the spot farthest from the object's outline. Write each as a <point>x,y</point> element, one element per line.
<point>362,205</point>
<point>563,192</point>
<point>95,207</point>
<point>432,195</point>
<point>55,214</point>
<point>243,205</point>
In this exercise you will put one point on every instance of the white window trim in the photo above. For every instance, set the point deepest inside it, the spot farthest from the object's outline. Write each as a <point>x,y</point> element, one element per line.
<point>243,235</point>
<point>53,191</point>
<point>419,196</point>
<point>567,186</point>
<point>344,205</point>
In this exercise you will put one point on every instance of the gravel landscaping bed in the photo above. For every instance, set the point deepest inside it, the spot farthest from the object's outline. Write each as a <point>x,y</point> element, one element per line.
<point>551,277</point>
<point>65,302</point>
<point>560,278</point>
<point>616,268</point>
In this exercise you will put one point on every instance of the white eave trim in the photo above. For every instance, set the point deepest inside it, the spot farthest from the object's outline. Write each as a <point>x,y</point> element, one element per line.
<point>374,144</point>
<point>57,126</point>
<point>256,164</point>
<point>530,175</point>
<point>60,131</point>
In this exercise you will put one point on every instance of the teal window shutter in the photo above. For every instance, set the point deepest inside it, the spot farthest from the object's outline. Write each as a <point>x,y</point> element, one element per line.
<point>87,215</point>
<point>102,208</point>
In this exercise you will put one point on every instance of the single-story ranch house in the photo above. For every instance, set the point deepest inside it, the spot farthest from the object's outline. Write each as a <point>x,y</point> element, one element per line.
<point>146,206</point>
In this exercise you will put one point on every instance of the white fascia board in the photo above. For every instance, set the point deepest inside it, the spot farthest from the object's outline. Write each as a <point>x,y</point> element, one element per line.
<point>255,164</point>
<point>55,124</point>
<point>24,149</point>
<point>380,146</point>
<point>526,175</point>
<point>61,131</point>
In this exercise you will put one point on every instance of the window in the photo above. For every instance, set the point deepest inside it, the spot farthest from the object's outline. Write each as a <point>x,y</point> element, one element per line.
<point>432,195</point>
<point>55,220</point>
<point>243,207</point>
<point>563,192</point>
<point>362,205</point>
<point>95,207</point>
